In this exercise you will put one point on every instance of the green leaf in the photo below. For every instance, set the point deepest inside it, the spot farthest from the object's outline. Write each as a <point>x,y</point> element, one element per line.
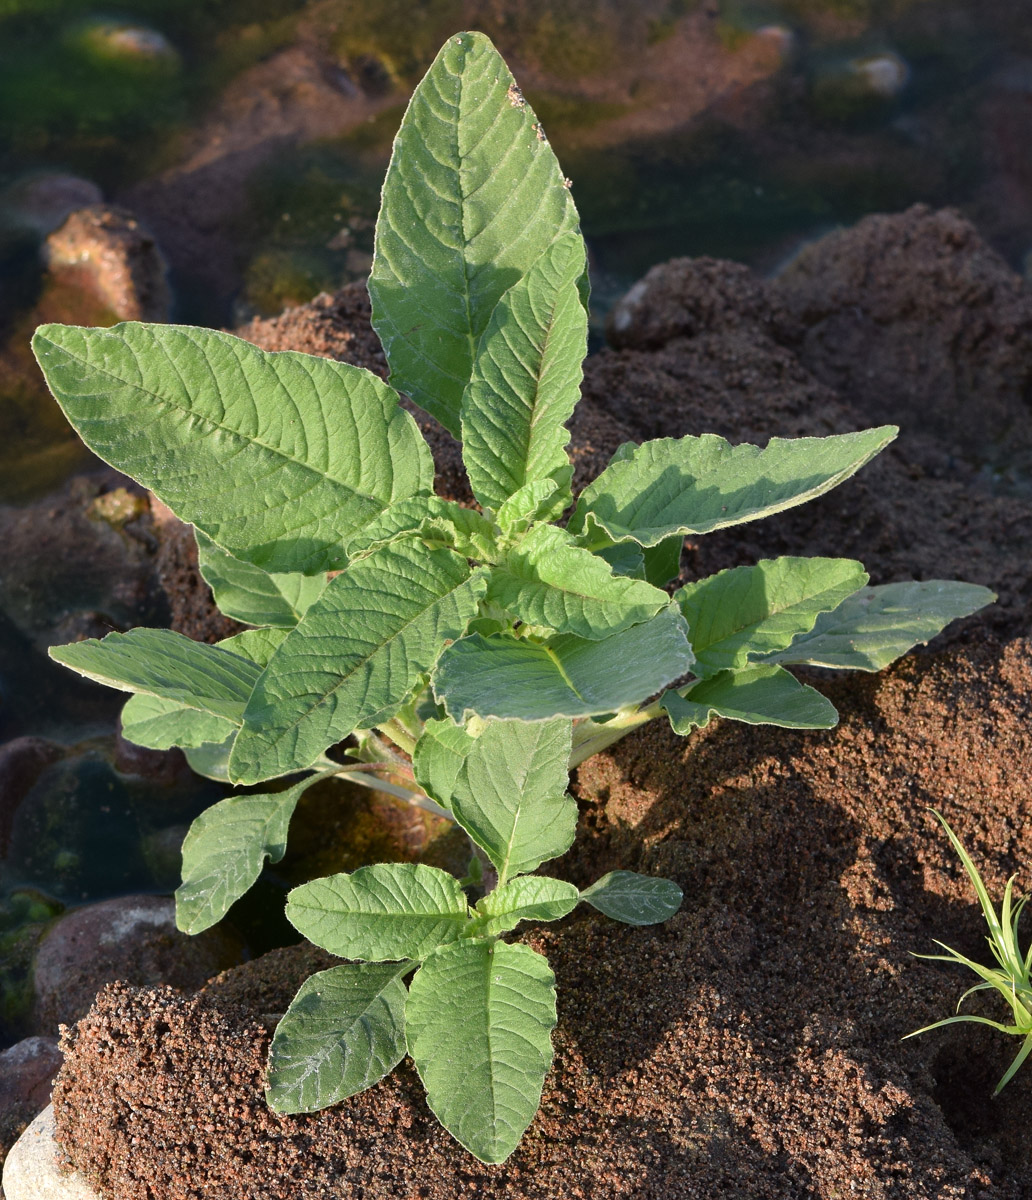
<point>479,1020</point>
<point>343,1032</point>
<point>438,758</point>
<point>433,520</point>
<point>159,724</point>
<point>759,695</point>
<point>634,899</point>
<point>697,484</point>
<point>548,580</point>
<point>473,197</point>
<point>211,759</point>
<point>257,645</point>
<point>225,850</point>
<point>355,656</point>
<point>247,593</point>
<point>628,558</point>
<point>877,625</point>
<point>663,562</point>
<point>566,676</point>
<point>387,911</point>
<point>526,379</point>
<point>748,612</point>
<point>276,457</point>
<point>528,898</point>
<point>162,663</point>
<point>539,500</point>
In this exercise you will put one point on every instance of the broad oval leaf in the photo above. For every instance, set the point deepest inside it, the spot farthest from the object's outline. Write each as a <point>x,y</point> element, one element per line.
<point>225,850</point>
<point>355,656</point>
<point>278,458</point>
<point>439,757</point>
<point>383,912</point>
<point>748,612</point>
<point>528,898</point>
<point>343,1032</point>
<point>634,899</point>
<point>697,484</point>
<point>758,695</point>
<point>473,197</point>
<point>479,1021</point>
<point>548,580</point>
<point>249,594</point>
<point>566,676</point>
<point>162,663</point>
<point>526,379</point>
<point>159,724</point>
<point>877,625</point>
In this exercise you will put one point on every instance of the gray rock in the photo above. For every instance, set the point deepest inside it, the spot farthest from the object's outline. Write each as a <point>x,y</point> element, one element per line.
<point>27,1070</point>
<point>32,1170</point>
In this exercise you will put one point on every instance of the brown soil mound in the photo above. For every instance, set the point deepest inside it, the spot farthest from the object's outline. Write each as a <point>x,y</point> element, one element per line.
<point>750,1047</point>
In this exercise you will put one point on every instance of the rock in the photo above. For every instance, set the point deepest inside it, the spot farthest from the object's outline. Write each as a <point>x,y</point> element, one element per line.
<point>26,1072</point>
<point>43,200</point>
<point>132,938</point>
<point>22,760</point>
<point>107,252</point>
<point>33,1170</point>
<point>121,43</point>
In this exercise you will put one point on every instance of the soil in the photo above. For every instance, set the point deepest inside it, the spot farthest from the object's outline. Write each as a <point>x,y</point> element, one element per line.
<point>751,1046</point>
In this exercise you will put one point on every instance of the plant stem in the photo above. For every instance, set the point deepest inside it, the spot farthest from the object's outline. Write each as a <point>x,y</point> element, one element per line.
<point>399,735</point>
<point>590,737</point>
<point>408,795</point>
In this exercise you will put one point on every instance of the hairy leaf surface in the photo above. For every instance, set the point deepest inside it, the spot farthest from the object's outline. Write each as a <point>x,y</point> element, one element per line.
<point>249,594</point>
<point>479,1021</point>
<point>567,676</point>
<point>746,612</point>
<point>697,484</point>
<point>528,898</point>
<point>473,197</point>
<point>387,911</point>
<point>757,695</point>
<point>539,500</point>
<point>159,724</point>
<point>434,520</point>
<point>343,1031</point>
<point>634,899</point>
<point>355,656</point>
<point>879,624</point>
<point>526,379</point>
<point>276,457</point>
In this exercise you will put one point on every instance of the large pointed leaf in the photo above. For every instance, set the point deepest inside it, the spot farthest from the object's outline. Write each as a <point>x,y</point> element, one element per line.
<point>387,911</point>
<point>249,594</point>
<point>879,624</point>
<point>751,611</point>
<point>566,676</point>
<point>634,899</point>
<point>159,724</point>
<point>479,1021</point>
<point>528,898</point>
<point>548,580</point>
<point>697,484</point>
<point>225,850</point>
<point>473,196</point>
<point>526,379</point>
<point>355,656</point>
<point>162,663</point>
<point>276,457</point>
<point>343,1031</point>
<point>507,788</point>
<point>759,695</point>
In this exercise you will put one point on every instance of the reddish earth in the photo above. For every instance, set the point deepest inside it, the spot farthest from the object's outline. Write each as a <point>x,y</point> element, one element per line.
<point>751,1047</point>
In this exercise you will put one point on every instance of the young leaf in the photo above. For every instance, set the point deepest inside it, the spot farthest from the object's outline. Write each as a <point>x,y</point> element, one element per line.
<point>528,898</point>
<point>225,850</point>
<point>355,656</point>
<point>162,663</point>
<point>463,530</point>
<point>526,379</point>
<point>473,197</point>
<point>634,899</point>
<point>539,500</point>
<point>247,593</point>
<point>387,911</point>
<point>507,789</point>
<point>439,757</point>
<point>697,484</point>
<point>747,612</point>
<point>759,695</point>
<point>566,676</point>
<point>548,580</point>
<point>479,1020</point>
<point>343,1032</point>
<point>877,625</point>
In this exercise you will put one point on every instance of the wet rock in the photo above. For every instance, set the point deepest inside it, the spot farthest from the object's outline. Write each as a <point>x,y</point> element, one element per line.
<point>43,200</point>
<point>22,760</point>
<point>34,1169</point>
<point>27,1070</point>
<point>132,938</point>
<point>844,90</point>
<point>106,252</point>
<point>163,853</point>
